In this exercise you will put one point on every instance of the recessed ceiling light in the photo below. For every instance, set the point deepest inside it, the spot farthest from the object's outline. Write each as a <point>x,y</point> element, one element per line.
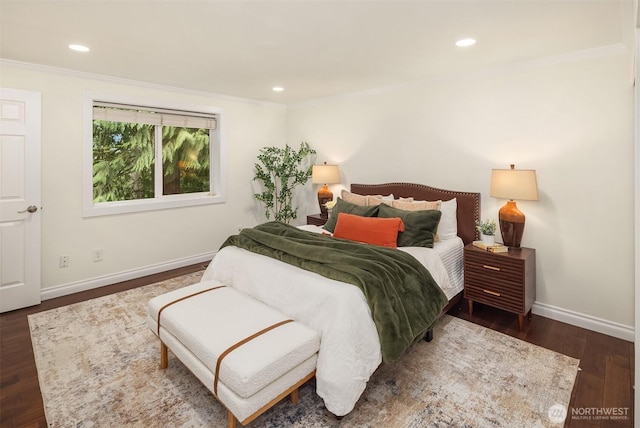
<point>278,89</point>
<point>463,43</point>
<point>79,48</point>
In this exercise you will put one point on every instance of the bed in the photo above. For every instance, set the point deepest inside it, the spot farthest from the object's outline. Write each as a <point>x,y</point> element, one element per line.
<point>350,349</point>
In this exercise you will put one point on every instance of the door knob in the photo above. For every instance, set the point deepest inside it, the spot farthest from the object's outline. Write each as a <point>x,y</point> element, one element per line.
<point>30,208</point>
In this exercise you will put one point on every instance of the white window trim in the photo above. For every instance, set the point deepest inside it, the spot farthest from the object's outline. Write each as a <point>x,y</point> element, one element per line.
<point>217,170</point>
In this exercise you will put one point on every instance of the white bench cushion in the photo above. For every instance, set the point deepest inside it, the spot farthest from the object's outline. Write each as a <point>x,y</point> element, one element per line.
<point>242,408</point>
<point>211,322</point>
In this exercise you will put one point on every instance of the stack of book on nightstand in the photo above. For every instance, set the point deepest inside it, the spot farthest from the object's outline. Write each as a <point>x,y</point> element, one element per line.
<point>495,248</point>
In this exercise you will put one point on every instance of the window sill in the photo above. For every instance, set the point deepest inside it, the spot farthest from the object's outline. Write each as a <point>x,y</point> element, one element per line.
<point>166,202</point>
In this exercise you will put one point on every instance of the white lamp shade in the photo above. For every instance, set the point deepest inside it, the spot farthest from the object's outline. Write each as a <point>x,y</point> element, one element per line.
<point>325,174</point>
<point>518,184</point>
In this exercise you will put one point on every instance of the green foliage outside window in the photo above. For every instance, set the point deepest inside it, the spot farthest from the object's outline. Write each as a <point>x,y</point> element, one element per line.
<point>124,160</point>
<point>185,160</point>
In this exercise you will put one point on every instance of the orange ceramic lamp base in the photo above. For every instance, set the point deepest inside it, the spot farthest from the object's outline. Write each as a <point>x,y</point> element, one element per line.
<point>511,224</point>
<point>324,196</point>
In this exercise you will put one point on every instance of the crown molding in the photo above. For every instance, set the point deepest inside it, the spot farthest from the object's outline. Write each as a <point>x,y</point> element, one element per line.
<point>568,57</point>
<point>128,82</point>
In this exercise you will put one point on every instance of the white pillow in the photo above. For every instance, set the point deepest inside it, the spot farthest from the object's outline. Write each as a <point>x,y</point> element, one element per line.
<point>448,226</point>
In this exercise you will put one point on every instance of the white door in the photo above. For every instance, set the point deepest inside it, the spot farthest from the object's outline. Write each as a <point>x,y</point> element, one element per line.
<point>19,199</point>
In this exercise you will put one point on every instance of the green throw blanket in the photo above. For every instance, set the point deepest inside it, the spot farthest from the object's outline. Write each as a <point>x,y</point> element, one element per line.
<point>403,297</point>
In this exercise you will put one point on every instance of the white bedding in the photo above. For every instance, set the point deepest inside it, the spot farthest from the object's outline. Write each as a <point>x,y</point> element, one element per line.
<point>350,348</point>
<point>451,254</point>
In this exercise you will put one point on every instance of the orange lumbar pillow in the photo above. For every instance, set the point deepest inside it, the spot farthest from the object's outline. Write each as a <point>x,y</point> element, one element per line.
<point>370,230</point>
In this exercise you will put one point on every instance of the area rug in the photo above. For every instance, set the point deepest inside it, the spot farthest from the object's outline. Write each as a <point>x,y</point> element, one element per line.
<point>98,365</point>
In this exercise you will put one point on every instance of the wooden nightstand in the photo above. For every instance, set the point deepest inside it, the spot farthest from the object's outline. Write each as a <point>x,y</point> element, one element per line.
<point>503,280</point>
<point>315,219</point>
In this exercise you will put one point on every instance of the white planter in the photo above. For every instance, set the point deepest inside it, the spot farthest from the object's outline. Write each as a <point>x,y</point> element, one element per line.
<point>489,239</point>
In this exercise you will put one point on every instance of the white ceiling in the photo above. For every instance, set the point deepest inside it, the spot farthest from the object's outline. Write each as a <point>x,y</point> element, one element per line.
<point>313,49</point>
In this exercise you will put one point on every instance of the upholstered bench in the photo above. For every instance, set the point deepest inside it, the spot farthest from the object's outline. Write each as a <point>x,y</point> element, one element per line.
<point>249,355</point>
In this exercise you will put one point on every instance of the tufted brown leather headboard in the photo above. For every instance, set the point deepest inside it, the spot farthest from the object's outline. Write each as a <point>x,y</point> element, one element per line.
<point>468,203</point>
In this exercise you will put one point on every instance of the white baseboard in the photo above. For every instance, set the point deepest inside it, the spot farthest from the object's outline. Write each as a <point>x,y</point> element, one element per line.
<point>90,284</point>
<point>589,322</point>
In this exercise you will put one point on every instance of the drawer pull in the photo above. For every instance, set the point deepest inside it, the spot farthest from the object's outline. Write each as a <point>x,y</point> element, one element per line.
<point>491,267</point>
<point>493,293</point>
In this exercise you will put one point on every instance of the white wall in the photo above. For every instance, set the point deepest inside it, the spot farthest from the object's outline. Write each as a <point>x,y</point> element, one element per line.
<point>572,121</point>
<point>141,242</point>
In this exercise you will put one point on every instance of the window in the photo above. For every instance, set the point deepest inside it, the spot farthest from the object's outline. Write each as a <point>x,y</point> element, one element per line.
<point>140,158</point>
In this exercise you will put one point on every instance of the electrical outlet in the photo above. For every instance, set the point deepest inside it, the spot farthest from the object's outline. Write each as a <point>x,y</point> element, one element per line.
<point>64,261</point>
<point>97,255</point>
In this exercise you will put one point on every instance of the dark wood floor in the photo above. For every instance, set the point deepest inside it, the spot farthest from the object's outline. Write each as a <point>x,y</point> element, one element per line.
<point>605,381</point>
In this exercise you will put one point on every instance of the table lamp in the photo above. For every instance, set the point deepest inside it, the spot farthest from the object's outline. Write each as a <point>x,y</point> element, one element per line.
<point>325,174</point>
<point>513,184</point>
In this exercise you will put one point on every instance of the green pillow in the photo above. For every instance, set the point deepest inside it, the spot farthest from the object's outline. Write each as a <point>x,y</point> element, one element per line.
<point>419,226</point>
<point>342,206</point>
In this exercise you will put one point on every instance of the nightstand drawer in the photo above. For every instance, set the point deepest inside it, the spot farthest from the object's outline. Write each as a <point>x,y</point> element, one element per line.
<point>502,281</point>
<point>487,294</point>
<point>494,268</point>
<point>496,283</point>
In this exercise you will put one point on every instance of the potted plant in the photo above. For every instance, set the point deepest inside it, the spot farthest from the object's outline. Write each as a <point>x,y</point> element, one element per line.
<point>487,229</point>
<point>281,170</point>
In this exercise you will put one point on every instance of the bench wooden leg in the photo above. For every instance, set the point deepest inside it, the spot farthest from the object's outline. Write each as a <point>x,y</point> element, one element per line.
<point>163,355</point>
<point>295,396</point>
<point>232,421</point>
